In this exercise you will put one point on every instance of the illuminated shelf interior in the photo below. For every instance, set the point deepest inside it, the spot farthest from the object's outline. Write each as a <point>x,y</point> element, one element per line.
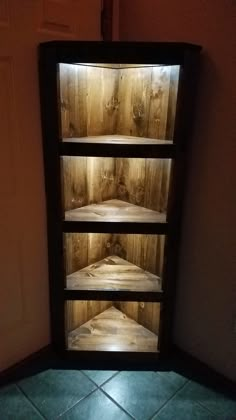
<point>112,330</point>
<point>114,273</point>
<point>115,211</point>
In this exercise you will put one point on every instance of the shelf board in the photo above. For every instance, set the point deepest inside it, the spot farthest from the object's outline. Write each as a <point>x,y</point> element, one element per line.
<point>115,211</point>
<point>112,330</point>
<point>117,146</point>
<point>116,139</point>
<point>114,274</point>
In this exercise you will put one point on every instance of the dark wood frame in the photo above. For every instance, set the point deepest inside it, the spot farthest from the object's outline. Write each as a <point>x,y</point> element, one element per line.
<point>52,53</point>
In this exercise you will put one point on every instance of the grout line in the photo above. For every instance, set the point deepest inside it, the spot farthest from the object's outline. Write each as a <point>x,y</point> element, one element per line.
<point>99,386</point>
<point>87,377</point>
<point>77,402</point>
<point>113,376</point>
<point>118,405</point>
<point>169,399</point>
<point>205,408</point>
<point>30,401</point>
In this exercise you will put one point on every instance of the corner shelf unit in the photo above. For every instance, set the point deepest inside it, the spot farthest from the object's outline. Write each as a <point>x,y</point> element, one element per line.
<point>116,121</point>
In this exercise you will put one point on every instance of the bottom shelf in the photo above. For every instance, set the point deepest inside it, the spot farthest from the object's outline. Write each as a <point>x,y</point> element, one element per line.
<point>112,330</point>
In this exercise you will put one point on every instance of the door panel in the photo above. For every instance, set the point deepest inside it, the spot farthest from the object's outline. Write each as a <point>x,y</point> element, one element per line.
<point>24,308</point>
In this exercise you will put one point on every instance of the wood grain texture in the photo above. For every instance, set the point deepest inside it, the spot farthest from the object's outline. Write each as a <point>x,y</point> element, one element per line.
<point>146,251</point>
<point>91,180</point>
<point>153,183</point>
<point>112,331</point>
<point>134,98</point>
<point>84,249</point>
<point>88,100</point>
<point>115,211</point>
<point>173,92</point>
<point>75,182</point>
<point>100,177</point>
<point>127,100</point>
<point>115,66</point>
<point>165,183</point>
<point>115,139</point>
<point>145,313</point>
<point>78,312</point>
<point>158,106</point>
<point>75,251</point>
<point>113,273</point>
<point>102,102</point>
<point>130,178</point>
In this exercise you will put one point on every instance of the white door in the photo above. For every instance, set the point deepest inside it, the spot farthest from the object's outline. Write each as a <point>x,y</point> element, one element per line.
<point>24,303</point>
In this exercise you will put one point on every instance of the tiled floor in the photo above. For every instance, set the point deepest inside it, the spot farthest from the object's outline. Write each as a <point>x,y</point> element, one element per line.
<point>69,394</point>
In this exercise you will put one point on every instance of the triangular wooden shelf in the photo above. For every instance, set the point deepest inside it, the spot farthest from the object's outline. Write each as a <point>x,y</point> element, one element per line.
<point>115,211</point>
<point>112,330</point>
<point>114,273</point>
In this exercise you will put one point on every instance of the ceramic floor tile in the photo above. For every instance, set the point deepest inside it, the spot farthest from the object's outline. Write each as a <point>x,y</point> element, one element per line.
<point>55,391</point>
<point>99,376</point>
<point>173,377</point>
<point>216,402</point>
<point>14,405</point>
<point>180,407</point>
<point>95,407</point>
<point>140,393</point>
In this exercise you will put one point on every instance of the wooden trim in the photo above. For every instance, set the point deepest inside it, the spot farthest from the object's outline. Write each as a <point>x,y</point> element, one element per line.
<point>113,227</point>
<point>30,365</point>
<point>161,151</point>
<point>50,128</point>
<point>182,139</point>
<point>118,52</point>
<point>200,371</point>
<point>45,358</point>
<point>121,296</point>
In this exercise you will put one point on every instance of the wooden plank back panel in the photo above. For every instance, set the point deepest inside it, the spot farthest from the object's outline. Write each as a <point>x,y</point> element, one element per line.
<point>90,180</point>
<point>75,251</point>
<point>99,246</point>
<point>158,102</point>
<point>130,180</point>
<point>173,91</point>
<point>134,99</point>
<point>165,182</point>
<point>78,100</point>
<point>153,183</point>
<point>101,183</point>
<point>145,313</point>
<point>88,100</point>
<point>79,312</point>
<point>75,182</point>
<point>97,100</point>
<point>83,249</point>
<point>102,101</point>
<point>146,251</point>
<point>64,99</point>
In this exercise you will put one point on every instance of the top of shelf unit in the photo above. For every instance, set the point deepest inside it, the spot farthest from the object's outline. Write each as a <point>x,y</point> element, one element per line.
<point>163,53</point>
<point>117,146</point>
